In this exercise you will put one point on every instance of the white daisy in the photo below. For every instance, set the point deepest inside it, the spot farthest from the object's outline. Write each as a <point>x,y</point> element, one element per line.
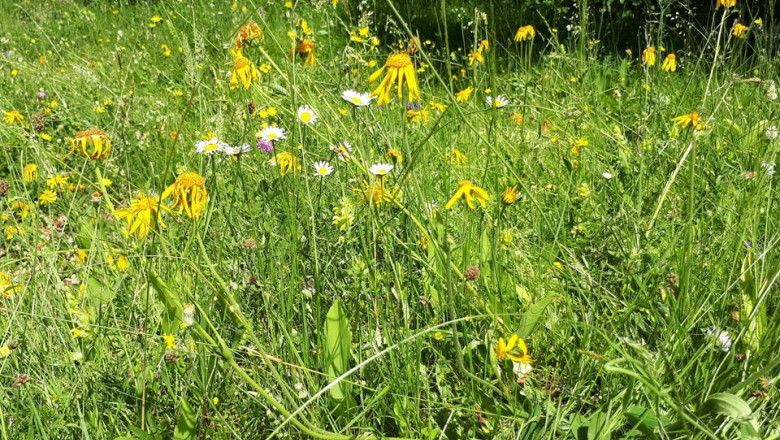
<point>607,175</point>
<point>500,101</point>
<point>271,133</point>
<point>771,132</point>
<point>238,149</point>
<point>380,169</point>
<point>342,150</point>
<point>210,146</point>
<point>322,169</point>
<point>307,115</point>
<point>356,98</point>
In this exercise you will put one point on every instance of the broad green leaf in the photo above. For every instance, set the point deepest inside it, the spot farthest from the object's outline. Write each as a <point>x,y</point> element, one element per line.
<point>532,316</point>
<point>185,426</point>
<point>644,420</point>
<point>98,292</point>
<point>729,405</point>
<point>338,341</point>
<point>170,300</point>
<point>598,426</point>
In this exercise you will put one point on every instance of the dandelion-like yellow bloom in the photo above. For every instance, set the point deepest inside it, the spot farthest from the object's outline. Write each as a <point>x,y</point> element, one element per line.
<point>47,197</point>
<point>143,214</point>
<point>189,194</point>
<point>30,172</point>
<point>13,117</point>
<point>649,57</point>
<point>248,34</point>
<point>689,120</point>
<point>725,3</point>
<point>400,69</point>
<point>286,161</point>
<point>305,49</point>
<point>515,349</point>
<point>670,63</point>
<point>464,95</point>
<point>469,192</point>
<point>98,140</point>
<point>244,72</point>
<point>740,31</point>
<point>525,33</point>
<point>511,194</point>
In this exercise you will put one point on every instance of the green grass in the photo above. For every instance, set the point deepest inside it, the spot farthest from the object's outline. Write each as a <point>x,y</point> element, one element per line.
<point>620,285</point>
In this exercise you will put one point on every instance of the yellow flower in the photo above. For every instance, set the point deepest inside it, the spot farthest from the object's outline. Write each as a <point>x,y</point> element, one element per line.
<point>13,117</point>
<point>648,56</point>
<point>287,162</point>
<point>469,192</point>
<point>189,194</point>
<point>438,106</point>
<point>670,63</point>
<point>475,56</point>
<point>78,333</point>
<point>97,139</point>
<point>577,146</point>
<point>170,342</point>
<point>525,33</point>
<point>30,172</point>
<point>375,193</point>
<point>689,120</point>
<point>457,157</point>
<point>57,182</point>
<point>400,69</point>
<point>13,231</point>
<point>47,197</point>
<point>583,191</point>
<point>81,256</point>
<point>142,215</point>
<point>515,350</point>
<point>122,263</point>
<point>395,155</point>
<point>248,33</point>
<point>725,3</point>
<point>464,94</point>
<point>244,70</point>
<point>484,45</point>
<point>305,49</point>
<point>417,115</point>
<point>510,195</point>
<point>165,50</point>
<point>154,20</point>
<point>740,31</point>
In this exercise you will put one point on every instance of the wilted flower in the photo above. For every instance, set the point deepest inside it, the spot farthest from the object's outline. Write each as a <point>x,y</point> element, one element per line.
<point>264,145</point>
<point>249,33</point>
<point>30,172</point>
<point>740,31</point>
<point>244,71</point>
<point>670,63</point>
<point>771,132</point>
<point>525,33</point>
<point>725,3</point>
<point>342,150</point>
<point>189,194</point>
<point>648,56</point>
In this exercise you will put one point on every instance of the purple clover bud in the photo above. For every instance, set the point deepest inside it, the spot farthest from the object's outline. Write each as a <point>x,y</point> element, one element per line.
<point>41,95</point>
<point>265,145</point>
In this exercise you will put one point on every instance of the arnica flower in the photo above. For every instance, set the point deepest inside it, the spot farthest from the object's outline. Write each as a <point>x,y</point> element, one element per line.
<point>47,197</point>
<point>648,56</point>
<point>469,192</point>
<point>143,215</point>
<point>286,161</point>
<point>457,157</point>
<point>307,115</point>
<point>248,34</point>
<point>375,194</point>
<point>740,31</point>
<point>464,95</point>
<point>514,349</point>
<point>418,115</point>
<point>30,172</point>
<point>400,70</point>
<point>689,120</point>
<point>577,146</point>
<point>395,155</point>
<point>170,342</point>
<point>357,99</point>
<point>13,117</point>
<point>670,63</point>
<point>525,33</point>
<point>510,195</point>
<point>271,134</point>
<point>244,70</point>
<point>189,194</point>
<point>322,169</point>
<point>98,140</point>
<point>500,101</point>
<point>475,56</point>
<point>305,49</point>
<point>725,3</point>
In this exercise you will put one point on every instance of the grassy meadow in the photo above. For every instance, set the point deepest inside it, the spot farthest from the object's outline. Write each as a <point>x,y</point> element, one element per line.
<point>224,220</point>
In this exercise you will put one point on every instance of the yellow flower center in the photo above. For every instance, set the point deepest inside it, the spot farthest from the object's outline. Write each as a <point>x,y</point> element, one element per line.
<point>355,100</point>
<point>147,203</point>
<point>271,136</point>
<point>305,116</point>
<point>211,147</point>
<point>191,179</point>
<point>91,132</point>
<point>399,60</point>
<point>322,170</point>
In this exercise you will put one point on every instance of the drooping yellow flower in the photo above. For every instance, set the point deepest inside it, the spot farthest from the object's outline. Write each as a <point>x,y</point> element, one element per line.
<point>525,33</point>
<point>395,155</point>
<point>475,57</point>
<point>286,161</point>
<point>689,120</point>
<point>725,3</point>
<point>515,349</point>
<point>189,194</point>
<point>244,71</point>
<point>740,31</point>
<point>30,172</point>
<point>143,215</point>
<point>484,45</point>
<point>510,195</point>
<point>469,192</point>
<point>13,117</point>
<point>457,157</point>
<point>648,56</point>
<point>670,63</point>
<point>248,34</point>
<point>305,49</point>
<point>98,140</point>
<point>400,69</point>
<point>374,193</point>
<point>464,95</point>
